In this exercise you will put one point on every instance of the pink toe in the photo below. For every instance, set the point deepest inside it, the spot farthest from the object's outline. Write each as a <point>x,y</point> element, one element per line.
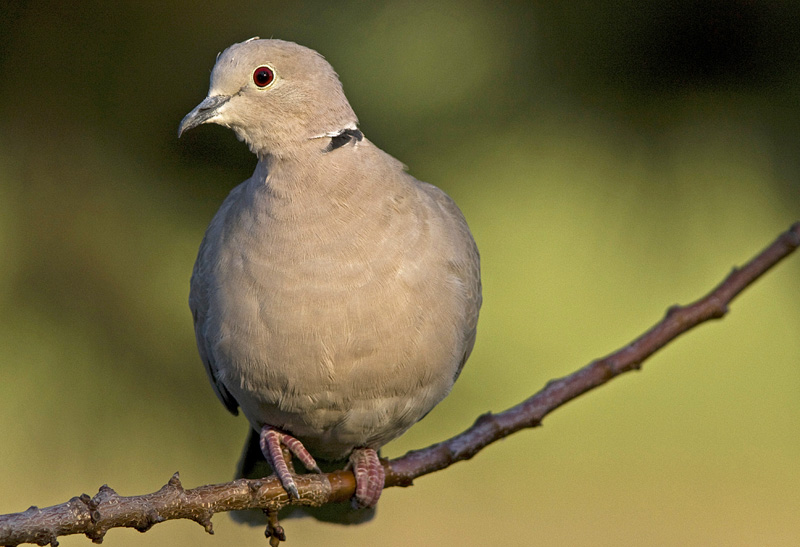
<point>300,452</point>
<point>370,477</point>
<point>271,448</point>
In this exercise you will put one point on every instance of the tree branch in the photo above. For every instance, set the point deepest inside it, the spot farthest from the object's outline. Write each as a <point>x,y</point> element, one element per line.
<point>94,516</point>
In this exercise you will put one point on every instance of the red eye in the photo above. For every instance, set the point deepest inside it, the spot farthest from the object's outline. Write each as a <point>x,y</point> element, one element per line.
<point>263,76</point>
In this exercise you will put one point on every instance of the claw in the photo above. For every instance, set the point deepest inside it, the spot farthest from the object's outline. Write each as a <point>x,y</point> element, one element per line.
<point>370,477</point>
<point>271,441</point>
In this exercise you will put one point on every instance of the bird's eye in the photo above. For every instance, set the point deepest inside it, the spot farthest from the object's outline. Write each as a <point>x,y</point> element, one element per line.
<point>263,76</point>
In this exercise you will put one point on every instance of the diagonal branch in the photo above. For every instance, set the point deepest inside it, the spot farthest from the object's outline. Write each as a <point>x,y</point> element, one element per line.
<point>95,516</point>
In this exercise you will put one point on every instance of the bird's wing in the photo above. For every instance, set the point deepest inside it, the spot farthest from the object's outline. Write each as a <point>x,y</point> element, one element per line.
<point>465,264</point>
<point>198,303</point>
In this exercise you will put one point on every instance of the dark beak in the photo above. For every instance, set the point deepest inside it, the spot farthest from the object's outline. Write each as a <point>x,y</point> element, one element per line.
<point>202,112</point>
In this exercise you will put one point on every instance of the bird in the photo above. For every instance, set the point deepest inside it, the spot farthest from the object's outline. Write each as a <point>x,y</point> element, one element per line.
<point>335,297</point>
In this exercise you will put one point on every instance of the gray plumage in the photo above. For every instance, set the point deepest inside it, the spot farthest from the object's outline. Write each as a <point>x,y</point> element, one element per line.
<point>335,296</point>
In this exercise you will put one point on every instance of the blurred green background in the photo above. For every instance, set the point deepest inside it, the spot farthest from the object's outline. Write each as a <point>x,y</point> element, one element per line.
<point>612,159</point>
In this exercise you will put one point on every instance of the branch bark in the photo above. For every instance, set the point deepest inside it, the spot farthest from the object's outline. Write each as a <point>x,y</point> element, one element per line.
<point>94,516</point>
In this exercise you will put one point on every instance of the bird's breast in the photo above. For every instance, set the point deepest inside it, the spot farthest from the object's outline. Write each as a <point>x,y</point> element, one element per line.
<point>336,323</point>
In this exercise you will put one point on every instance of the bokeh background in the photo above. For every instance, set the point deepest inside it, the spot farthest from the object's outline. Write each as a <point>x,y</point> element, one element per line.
<point>612,158</point>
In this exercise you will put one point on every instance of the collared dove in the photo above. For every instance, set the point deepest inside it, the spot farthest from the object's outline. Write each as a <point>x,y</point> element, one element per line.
<point>335,297</point>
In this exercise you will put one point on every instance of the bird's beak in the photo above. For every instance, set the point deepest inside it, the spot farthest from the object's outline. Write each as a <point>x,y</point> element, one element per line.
<point>202,112</point>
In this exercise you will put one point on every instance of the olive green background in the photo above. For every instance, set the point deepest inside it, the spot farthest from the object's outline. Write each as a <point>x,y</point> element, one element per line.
<point>611,160</point>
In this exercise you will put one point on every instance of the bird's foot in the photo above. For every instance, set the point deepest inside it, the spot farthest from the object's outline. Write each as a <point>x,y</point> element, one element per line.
<point>370,477</point>
<point>271,441</point>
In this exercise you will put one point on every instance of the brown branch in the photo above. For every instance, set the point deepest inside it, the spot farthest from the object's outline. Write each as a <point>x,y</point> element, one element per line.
<point>95,516</point>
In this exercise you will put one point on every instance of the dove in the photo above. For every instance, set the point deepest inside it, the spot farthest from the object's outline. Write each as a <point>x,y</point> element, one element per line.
<point>335,297</point>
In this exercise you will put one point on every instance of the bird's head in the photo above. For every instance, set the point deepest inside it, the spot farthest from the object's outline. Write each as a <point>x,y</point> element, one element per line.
<point>275,95</point>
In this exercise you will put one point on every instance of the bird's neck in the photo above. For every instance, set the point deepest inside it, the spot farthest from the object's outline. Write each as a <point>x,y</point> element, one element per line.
<point>312,169</point>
